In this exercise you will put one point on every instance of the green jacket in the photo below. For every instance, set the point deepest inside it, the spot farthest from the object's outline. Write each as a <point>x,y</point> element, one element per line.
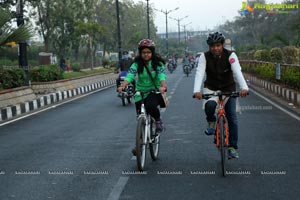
<point>144,82</point>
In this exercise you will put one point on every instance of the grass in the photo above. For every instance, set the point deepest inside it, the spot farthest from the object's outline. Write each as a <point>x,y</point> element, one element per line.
<point>85,73</point>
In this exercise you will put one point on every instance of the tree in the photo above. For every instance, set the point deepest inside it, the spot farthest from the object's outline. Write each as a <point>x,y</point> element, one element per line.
<point>9,34</point>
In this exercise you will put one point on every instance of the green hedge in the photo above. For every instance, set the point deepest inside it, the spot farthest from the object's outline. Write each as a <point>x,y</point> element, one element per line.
<point>7,62</point>
<point>276,55</point>
<point>290,75</point>
<point>12,78</point>
<point>46,73</point>
<point>290,55</point>
<point>262,55</point>
<point>76,67</point>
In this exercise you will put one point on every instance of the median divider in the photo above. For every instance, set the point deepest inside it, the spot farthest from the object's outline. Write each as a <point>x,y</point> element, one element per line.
<point>290,95</point>
<point>41,101</point>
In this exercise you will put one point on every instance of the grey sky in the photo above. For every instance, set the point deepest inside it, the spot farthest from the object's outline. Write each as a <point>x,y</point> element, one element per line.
<point>202,13</point>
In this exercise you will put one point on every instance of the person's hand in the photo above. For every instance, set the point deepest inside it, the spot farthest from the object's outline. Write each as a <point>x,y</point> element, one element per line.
<point>243,92</point>
<point>162,89</point>
<point>198,95</point>
<point>121,88</point>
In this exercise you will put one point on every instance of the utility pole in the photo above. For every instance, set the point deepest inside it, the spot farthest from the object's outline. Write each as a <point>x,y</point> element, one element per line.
<point>148,20</point>
<point>166,13</point>
<point>119,32</point>
<point>22,50</point>
<point>178,23</point>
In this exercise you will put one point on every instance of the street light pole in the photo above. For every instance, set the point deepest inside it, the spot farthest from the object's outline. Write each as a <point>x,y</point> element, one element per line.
<point>185,34</point>
<point>166,13</point>
<point>148,20</point>
<point>178,23</point>
<point>119,32</point>
<point>22,49</point>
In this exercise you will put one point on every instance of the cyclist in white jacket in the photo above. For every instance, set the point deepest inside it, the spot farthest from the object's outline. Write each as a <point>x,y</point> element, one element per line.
<point>219,70</point>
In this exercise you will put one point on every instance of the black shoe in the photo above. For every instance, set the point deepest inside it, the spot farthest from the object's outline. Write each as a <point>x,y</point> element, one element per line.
<point>133,151</point>
<point>159,126</point>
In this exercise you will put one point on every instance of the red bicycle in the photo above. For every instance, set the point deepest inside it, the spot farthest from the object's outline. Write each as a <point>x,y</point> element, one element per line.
<point>222,129</point>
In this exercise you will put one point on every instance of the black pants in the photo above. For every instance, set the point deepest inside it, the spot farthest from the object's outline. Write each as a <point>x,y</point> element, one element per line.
<point>151,103</point>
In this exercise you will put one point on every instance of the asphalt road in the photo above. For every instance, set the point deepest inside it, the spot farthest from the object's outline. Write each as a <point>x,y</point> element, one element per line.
<point>82,150</point>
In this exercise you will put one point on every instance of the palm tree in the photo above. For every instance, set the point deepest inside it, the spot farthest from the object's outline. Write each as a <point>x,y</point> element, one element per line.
<point>8,33</point>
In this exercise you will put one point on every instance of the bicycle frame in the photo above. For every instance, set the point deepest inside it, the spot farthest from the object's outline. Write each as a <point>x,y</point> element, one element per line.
<point>147,118</point>
<point>143,137</point>
<point>221,114</point>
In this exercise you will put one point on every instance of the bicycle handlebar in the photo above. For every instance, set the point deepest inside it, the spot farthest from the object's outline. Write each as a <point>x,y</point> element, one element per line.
<point>220,94</point>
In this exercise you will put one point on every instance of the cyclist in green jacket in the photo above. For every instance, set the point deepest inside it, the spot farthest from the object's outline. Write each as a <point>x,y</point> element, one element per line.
<point>147,58</point>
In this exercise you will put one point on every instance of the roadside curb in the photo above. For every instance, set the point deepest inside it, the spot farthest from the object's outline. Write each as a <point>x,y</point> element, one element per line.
<point>287,94</point>
<point>49,99</point>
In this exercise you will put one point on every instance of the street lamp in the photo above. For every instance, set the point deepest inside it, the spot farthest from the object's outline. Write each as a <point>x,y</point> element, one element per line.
<point>22,52</point>
<point>178,23</point>
<point>148,21</point>
<point>185,34</point>
<point>119,32</point>
<point>166,12</point>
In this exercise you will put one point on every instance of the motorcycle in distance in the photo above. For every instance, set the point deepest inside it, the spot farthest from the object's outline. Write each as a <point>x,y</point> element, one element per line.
<point>128,92</point>
<point>171,66</point>
<point>187,69</point>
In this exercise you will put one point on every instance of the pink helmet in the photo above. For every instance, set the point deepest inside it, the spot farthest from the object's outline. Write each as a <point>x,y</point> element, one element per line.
<point>146,43</point>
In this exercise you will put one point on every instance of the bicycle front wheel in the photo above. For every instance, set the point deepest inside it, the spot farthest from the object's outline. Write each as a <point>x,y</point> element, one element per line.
<point>141,145</point>
<point>155,141</point>
<point>222,145</point>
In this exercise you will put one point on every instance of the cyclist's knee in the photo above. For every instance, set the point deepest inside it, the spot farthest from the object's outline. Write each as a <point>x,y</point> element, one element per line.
<point>210,105</point>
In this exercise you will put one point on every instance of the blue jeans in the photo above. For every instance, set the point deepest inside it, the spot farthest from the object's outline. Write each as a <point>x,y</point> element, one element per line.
<point>230,110</point>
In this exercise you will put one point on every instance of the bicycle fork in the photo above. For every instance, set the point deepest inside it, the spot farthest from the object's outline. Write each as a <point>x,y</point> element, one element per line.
<point>221,115</point>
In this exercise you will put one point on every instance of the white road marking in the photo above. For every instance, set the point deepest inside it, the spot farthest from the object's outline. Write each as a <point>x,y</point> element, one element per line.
<point>119,187</point>
<point>277,106</point>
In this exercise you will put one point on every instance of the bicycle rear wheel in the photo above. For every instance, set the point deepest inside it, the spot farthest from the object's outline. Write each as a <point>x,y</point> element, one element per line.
<point>222,145</point>
<point>155,141</point>
<point>141,145</point>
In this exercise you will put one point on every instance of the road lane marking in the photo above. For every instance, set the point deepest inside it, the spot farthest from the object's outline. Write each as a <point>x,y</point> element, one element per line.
<point>118,189</point>
<point>276,105</point>
<point>133,158</point>
<point>54,106</point>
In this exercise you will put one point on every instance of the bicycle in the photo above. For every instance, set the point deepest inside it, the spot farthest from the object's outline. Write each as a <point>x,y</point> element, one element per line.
<point>221,137</point>
<point>146,134</point>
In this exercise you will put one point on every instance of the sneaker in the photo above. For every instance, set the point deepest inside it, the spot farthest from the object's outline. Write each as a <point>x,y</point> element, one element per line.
<point>232,153</point>
<point>133,151</point>
<point>159,126</point>
<point>210,129</point>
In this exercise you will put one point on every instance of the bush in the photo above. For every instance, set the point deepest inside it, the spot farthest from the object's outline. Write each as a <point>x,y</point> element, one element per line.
<point>243,56</point>
<point>291,76</point>
<point>33,62</point>
<point>262,55</point>
<point>12,78</point>
<point>265,71</point>
<point>113,64</point>
<point>251,55</point>
<point>105,62</point>
<point>276,55</point>
<point>7,62</point>
<point>290,55</point>
<point>76,67</point>
<point>46,73</point>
